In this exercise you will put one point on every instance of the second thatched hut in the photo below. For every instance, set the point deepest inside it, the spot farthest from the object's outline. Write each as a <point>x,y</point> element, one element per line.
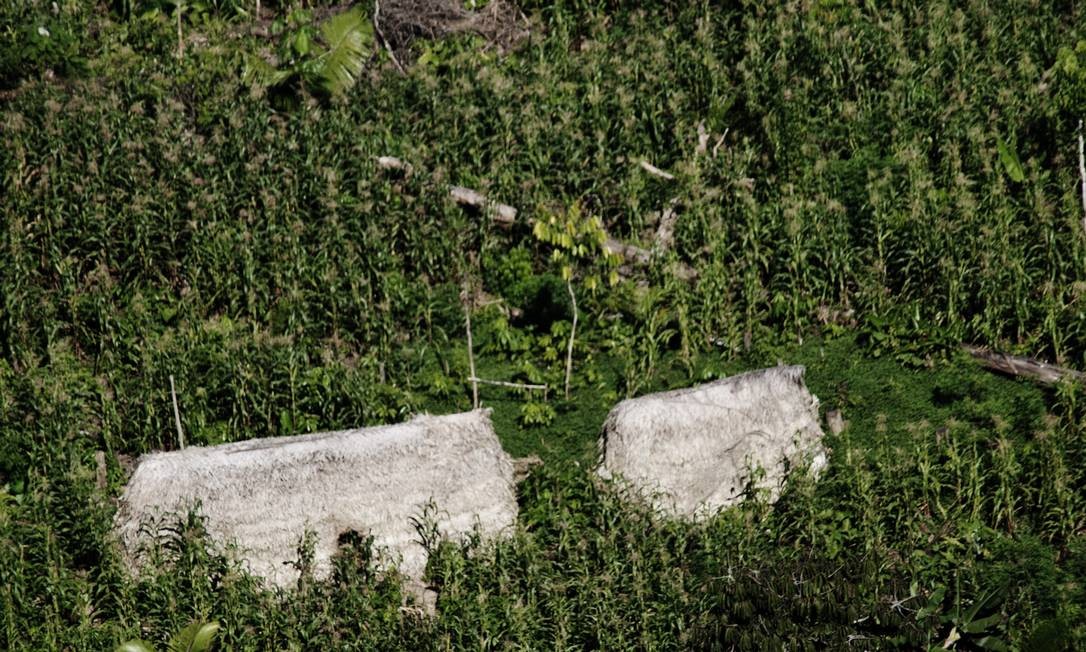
<point>694,451</point>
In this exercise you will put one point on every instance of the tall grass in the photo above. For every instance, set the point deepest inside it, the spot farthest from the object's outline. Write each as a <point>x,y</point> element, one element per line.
<point>160,218</point>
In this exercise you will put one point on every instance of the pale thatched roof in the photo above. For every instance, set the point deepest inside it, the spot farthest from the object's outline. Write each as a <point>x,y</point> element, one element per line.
<point>690,451</point>
<point>264,493</point>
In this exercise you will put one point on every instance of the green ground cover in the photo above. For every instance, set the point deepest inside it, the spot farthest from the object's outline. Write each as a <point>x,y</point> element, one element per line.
<point>879,183</point>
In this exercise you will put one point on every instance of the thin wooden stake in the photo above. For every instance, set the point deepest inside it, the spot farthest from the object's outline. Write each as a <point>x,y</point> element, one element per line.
<point>1082,172</point>
<point>177,416</point>
<point>502,383</point>
<point>180,37</point>
<point>572,333</point>
<point>471,353</point>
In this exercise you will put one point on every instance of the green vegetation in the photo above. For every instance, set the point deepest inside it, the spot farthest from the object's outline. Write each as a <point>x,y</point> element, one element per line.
<point>858,187</point>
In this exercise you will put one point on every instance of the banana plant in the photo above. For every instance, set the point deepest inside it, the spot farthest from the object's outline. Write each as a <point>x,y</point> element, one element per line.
<point>329,60</point>
<point>196,637</point>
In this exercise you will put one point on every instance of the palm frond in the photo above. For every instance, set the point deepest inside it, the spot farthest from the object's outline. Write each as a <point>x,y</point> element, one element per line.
<point>261,73</point>
<point>348,37</point>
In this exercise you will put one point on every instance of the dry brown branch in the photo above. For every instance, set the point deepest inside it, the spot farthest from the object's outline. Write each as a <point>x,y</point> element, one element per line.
<point>403,22</point>
<point>1019,366</point>
<point>720,141</point>
<point>381,36</point>
<point>522,467</point>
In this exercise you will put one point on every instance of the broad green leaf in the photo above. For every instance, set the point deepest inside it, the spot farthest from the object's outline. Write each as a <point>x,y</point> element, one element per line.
<point>1011,164</point>
<point>196,637</point>
<point>980,624</point>
<point>301,43</point>
<point>134,646</point>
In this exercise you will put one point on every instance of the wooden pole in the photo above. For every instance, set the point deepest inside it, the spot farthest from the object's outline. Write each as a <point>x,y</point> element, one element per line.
<point>572,333</point>
<point>1082,172</point>
<point>502,383</point>
<point>177,416</point>
<point>466,301</point>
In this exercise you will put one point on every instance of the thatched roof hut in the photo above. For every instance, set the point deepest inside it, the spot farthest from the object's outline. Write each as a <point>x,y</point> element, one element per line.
<point>692,451</point>
<point>264,494</point>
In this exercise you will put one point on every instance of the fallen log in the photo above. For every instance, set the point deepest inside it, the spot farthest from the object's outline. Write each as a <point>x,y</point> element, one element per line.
<point>393,163</point>
<point>504,214</point>
<point>1019,366</point>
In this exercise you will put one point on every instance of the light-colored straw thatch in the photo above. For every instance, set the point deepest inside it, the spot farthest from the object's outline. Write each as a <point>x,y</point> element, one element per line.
<point>694,451</point>
<point>263,494</point>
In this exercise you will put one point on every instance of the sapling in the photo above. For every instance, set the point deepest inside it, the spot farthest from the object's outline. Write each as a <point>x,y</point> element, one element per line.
<point>578,242</point>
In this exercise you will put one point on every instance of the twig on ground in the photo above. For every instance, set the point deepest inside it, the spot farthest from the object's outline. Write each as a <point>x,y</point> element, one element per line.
<point>655,171</point>
<point>720,141</point>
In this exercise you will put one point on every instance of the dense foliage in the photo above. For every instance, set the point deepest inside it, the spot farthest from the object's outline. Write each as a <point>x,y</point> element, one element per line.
<point>859,187</point>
